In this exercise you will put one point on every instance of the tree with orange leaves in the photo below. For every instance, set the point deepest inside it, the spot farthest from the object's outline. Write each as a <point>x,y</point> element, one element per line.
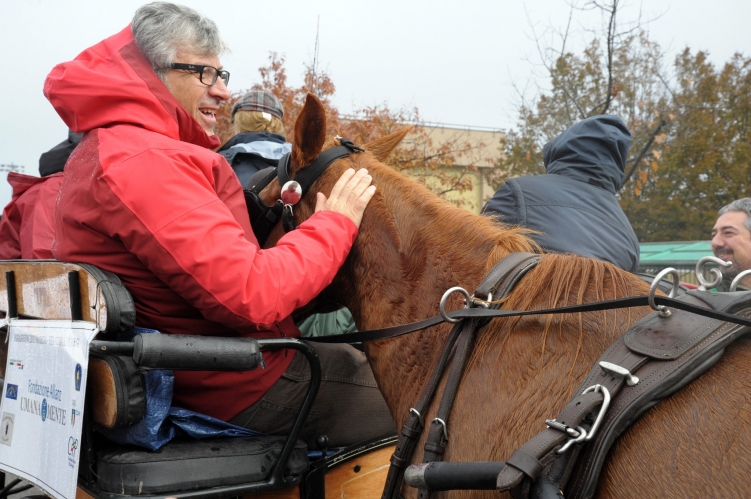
<point>690,124</point>
<point>445,168</point>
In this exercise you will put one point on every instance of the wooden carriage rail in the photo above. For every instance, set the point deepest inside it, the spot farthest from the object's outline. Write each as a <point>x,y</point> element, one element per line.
<point>55,290</point>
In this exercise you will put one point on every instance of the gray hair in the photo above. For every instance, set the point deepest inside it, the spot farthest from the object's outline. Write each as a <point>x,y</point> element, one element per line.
<point>743,204</point>
<point>160,28</point>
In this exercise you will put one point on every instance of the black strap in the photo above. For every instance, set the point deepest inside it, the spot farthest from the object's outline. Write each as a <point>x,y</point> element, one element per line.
<point>310,173</point>
<point>413,427</point>
<point>476,313</point>
<point>435,445</point>
<point>509,268</point>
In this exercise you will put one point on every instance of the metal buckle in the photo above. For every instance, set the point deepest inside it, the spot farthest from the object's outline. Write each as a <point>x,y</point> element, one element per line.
<point>443,424</point>
<point>631,380</point>
<point>585,436</point>
<point>603,408</point>
<point>662,309</point>
<point>419,416</point>
<point>449,292</point>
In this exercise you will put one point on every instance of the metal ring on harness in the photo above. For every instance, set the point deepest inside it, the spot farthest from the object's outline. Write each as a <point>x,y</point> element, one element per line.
<point>604,407</point>
<point>662,309</point>
<point>738,279</point>
<point>442,306</point>
<point>704,284</point>
<point>572,441</point>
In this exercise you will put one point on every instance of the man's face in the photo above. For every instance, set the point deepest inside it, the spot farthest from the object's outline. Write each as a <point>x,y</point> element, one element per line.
<point>731,241</point>
<point>201,101</point>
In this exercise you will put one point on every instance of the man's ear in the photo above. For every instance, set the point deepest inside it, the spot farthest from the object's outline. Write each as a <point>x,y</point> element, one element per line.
<point>310,132</point>
<point>381,148</point>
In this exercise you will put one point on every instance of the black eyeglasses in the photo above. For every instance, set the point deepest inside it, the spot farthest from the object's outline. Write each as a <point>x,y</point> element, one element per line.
<point>207,74</point>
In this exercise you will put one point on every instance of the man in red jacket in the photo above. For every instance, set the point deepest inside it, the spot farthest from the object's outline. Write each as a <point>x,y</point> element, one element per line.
<point>148,199</point>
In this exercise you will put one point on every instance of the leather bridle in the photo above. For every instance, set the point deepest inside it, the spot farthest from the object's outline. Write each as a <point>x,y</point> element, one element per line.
<point>263,218</point>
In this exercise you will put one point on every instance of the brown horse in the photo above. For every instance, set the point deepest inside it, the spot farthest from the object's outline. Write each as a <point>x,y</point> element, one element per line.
<point>413,246</point>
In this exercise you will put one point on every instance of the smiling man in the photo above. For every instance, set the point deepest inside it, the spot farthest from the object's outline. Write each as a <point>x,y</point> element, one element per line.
<point>731,241</point>
<point>146,197</point>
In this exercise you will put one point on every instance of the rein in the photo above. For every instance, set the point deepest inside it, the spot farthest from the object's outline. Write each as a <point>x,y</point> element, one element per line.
<point>478,313</point>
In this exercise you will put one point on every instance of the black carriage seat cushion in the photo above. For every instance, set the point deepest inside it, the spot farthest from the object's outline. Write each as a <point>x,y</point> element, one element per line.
<point>184,465</point>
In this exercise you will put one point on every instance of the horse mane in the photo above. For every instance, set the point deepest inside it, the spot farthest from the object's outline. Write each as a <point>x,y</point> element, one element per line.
<point>562,280</point>
<point>405,192</point>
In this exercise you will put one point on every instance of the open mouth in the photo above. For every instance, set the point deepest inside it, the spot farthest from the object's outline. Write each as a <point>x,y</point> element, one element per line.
<point>208,113</point>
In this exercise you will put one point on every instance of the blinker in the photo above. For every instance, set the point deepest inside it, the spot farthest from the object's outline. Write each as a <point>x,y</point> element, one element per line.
<point>291,193</point>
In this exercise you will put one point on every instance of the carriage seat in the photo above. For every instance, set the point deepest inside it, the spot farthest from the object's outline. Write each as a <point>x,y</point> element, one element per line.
<point>115,396</point>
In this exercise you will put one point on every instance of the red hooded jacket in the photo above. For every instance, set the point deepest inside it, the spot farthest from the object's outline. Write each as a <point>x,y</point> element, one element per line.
<point>28,224</point>
<point>145,197</point>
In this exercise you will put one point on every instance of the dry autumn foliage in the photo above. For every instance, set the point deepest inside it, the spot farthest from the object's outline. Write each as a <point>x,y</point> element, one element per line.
<point>445,168</point>
<point>691,149</point>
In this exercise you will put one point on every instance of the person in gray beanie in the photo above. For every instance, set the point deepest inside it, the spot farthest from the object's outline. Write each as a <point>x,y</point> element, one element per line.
<point>259,141</point>
<point>573,205</point>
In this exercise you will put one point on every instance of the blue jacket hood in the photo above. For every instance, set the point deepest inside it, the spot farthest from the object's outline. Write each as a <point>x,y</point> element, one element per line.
<point>593,150</point>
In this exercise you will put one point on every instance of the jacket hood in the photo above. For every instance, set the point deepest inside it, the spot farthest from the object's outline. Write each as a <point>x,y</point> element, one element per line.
<point>593,150</point>
<point>53,161</point>
<point>112,82</point>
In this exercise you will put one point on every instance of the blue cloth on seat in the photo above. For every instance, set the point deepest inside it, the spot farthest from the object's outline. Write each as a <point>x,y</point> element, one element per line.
<point>161,422</point>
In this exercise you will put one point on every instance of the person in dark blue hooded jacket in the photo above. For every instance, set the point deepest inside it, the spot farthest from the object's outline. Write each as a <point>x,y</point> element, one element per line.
<point>573,205</point>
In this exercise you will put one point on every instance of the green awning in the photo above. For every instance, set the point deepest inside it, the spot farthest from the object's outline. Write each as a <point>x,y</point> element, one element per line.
<point>677,253</point>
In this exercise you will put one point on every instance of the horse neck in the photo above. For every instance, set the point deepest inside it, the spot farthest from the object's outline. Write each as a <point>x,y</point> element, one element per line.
<point>411,248</point>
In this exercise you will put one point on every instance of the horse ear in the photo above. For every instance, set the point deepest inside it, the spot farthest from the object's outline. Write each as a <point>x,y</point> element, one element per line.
<point>381,148</point>
<point>310,132</point>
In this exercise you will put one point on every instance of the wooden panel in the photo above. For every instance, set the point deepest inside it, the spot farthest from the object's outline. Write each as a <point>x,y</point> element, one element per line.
<point>82,494</point>
<point>103,392</point>
<point>362,477</point>
<point>42,290</point>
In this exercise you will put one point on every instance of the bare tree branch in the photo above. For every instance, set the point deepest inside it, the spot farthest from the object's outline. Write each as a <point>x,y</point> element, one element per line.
<point>643,152</point>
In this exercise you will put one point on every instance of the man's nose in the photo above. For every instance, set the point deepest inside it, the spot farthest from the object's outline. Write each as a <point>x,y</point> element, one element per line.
<point>220,90</point>
<point>717,242</point>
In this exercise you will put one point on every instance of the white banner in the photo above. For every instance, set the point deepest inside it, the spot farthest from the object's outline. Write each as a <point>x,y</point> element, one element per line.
<point>42,403</point>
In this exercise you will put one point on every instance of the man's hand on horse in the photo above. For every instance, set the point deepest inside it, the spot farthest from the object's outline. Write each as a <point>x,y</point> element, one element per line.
<point>349,196</point>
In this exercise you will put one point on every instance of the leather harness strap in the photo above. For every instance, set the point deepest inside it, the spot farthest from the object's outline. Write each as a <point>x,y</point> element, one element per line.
<point>668,361</point>
<point>497,284</point>
<point>414,424</point>
<point>502,276</point>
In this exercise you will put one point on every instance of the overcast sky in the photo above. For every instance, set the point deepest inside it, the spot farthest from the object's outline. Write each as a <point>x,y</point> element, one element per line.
<point>458,62</point>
